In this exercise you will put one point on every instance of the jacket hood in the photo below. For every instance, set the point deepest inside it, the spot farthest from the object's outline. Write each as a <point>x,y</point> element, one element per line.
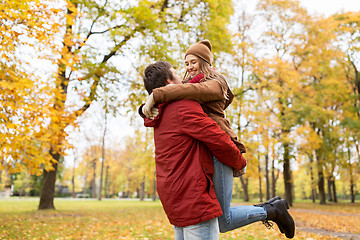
<point>156,121</point>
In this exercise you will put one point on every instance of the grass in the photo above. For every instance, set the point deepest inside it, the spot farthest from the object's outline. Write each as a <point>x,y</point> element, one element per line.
<point>123,219</point>
<point>83,219</point>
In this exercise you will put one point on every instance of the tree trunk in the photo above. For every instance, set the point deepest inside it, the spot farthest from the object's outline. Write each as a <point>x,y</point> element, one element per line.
<point>321,184</point>
<point>260,189</point>
<point>267,179</point>
<point>93,185</point>
<point>352,192</point>
<point>73,179</point>
<point>273,177</point>
<point>48,187</point>
<point>244,182</point>
<point>313,188</point>
<point>107,184</point>
<point>329,185</point>
<point>334,190</point>
<point>352,184</point>
<point>103,154</point>
<point>154,188</point>
<point>47,194</point>
<point>101,180</point>
<point>287,175</point>
<point>142,190</point>
<point>137,192</point>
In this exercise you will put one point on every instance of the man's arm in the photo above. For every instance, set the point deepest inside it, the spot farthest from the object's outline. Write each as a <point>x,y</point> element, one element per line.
<point>209,90</point>
<point>195,123</point>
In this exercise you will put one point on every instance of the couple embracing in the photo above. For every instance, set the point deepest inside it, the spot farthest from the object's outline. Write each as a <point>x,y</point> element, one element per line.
<point>197,154</point>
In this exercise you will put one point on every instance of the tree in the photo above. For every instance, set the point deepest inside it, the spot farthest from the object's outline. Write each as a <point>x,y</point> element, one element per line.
<point>26,27</point>
<point>348,39</point>
<point>324,93</point>
<point>84,65</point>
<point>139,163</point>
<point>103,153</point>
<point>284,25</point>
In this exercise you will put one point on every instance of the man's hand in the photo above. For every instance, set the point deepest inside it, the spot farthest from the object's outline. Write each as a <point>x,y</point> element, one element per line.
<point>146,109</point>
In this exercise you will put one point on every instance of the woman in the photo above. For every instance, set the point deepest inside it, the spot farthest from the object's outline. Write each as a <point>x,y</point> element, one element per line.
<point>205,85</point>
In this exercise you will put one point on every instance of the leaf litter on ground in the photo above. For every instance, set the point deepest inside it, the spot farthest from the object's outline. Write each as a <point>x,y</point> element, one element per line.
<point>124,219</point>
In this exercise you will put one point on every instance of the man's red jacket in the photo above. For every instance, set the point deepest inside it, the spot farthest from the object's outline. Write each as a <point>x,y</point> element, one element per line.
<point>184,138</point>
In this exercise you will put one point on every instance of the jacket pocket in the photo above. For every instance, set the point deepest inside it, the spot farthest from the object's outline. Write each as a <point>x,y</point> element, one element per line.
<point>210,187</point>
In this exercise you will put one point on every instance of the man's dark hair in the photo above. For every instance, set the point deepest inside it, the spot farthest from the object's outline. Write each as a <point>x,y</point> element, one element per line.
<point>155,75</point>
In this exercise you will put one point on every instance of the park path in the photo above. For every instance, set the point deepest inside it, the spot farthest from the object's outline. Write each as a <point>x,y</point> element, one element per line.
<point>323,232</point>
<point>326,213</point>
<point>342,235</point>
<point>350,236</point>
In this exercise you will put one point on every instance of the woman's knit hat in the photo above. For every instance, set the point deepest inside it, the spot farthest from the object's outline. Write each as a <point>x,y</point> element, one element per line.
<point>201,49</point>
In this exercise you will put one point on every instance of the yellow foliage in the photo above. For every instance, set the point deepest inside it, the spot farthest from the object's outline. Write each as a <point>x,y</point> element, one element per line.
<point>309,139</point>
<point>25,102</point>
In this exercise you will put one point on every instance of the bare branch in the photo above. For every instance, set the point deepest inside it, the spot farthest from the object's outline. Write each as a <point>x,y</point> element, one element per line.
<point>97,77</point>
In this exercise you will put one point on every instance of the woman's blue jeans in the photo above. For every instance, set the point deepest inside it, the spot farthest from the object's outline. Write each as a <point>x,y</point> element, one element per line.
<point>233,217</point>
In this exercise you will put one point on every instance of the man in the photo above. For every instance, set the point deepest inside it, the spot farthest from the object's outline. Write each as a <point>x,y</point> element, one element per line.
<point>184,139</point>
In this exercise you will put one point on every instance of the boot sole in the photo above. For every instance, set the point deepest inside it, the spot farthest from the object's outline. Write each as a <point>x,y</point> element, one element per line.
<point>292,222</point>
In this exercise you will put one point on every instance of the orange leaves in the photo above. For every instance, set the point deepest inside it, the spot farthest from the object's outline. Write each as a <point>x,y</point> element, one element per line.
<point>123,219</point>
<point>25,18</point>
<point>25,138</point>
<point>328,220</point>
<point>24,104</point>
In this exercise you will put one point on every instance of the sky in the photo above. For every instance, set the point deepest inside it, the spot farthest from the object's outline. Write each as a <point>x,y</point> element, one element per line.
<point>329,7</point>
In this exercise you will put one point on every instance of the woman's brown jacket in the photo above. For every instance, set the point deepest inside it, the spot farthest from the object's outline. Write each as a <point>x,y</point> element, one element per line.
<point>214,95</point>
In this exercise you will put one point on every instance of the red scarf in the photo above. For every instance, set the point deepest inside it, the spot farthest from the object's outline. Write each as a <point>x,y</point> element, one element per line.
<point>197,78</point>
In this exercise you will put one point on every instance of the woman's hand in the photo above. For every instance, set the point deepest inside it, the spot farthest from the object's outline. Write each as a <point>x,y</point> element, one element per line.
<point>240,172</point>
<point>146,109</point>
<point>154,112</point>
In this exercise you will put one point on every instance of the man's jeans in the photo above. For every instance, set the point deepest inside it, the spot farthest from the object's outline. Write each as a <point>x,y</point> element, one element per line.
<point>208,230</point>
<point>233,217</point>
